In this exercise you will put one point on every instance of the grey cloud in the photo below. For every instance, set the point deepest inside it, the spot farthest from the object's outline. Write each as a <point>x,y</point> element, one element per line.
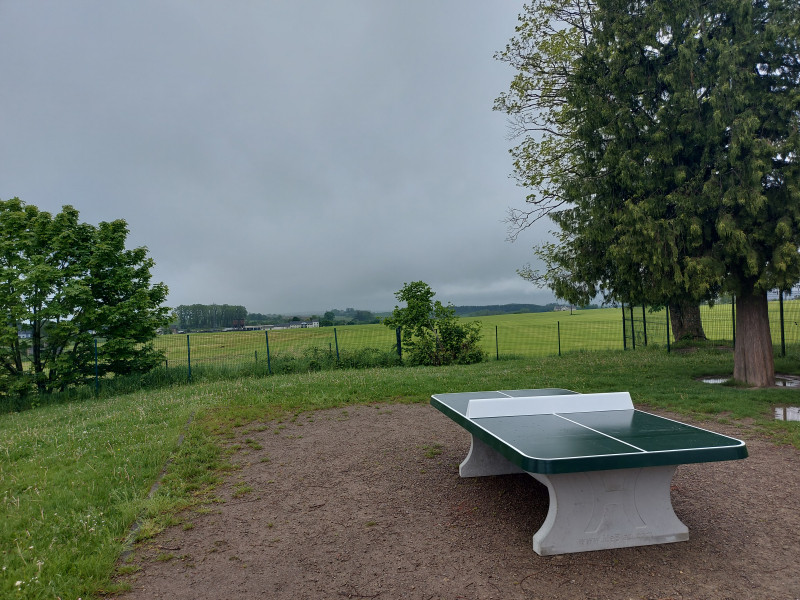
<point>289,156</point>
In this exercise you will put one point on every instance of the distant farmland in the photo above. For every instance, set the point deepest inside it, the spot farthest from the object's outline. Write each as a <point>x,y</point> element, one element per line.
<point>522,335</point>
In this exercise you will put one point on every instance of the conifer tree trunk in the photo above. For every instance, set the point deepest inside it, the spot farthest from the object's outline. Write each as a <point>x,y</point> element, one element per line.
<point>753,360</point>
<point>685,321</point>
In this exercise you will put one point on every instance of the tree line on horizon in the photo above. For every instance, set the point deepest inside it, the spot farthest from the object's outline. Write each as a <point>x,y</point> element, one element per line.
<point>511,309</point>
<point>195,317</point>
<point>211,317</point>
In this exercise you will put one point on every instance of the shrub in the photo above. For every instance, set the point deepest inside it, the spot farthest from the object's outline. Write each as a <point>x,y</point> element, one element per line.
<point>431,332</point>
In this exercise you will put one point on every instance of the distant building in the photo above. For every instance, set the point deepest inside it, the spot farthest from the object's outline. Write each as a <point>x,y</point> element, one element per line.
<point>295,325</point>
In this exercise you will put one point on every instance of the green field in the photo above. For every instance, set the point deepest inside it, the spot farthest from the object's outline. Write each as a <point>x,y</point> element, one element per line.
<point>75,476</point>
<point>528,334</point>
<point>251,346</point>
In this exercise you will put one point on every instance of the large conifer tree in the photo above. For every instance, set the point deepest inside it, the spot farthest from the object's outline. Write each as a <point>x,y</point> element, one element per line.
<point>689,172</point>
<point>683,148</point>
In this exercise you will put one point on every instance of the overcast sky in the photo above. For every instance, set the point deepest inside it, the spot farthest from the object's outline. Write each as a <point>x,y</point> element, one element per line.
<point>291,156</point>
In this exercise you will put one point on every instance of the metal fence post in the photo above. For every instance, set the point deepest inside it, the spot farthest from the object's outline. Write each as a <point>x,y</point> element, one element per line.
<point>633,330</point>
<point>336,341</point>
<point>783,338</point>
<point>558,323</point>
<point>624,331</point>
<point>96,371</point>
<point>496,343</point>
<point>399,343</point>
<point>269,364</point>
<point>668,348</point>
<point>189,356</point>
<point>644,325</point>
<point>733,317</point>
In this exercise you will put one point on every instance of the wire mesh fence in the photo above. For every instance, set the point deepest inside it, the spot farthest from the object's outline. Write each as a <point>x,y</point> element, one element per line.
<point>548,338</point>
<point>226,354</point>
<point>503,336</point>
<point>628,328</point>
<point>280,350</point>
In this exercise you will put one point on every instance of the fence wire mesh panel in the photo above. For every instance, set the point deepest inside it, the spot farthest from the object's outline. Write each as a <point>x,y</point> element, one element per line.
<point>718,322</point>
<point>791,318</point>
<point>503,336</point>
<point>643,326</point>
<point>317,346</point>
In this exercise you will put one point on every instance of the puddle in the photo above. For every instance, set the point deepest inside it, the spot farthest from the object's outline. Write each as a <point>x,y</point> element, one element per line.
<point>787,413</point>
<point>787,381</point>
<point>790,381</point>
<point>714,379</point>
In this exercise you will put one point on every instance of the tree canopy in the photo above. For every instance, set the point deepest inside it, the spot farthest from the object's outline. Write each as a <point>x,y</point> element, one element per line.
<point>683,142</point>
<point>64,284</point>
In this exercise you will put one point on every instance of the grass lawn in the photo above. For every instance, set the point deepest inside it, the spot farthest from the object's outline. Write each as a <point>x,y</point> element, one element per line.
<point>75,476</point>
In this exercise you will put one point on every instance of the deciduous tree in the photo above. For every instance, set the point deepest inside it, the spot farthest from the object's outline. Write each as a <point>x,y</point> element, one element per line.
<point>550,37</point>
<point>64,284</point>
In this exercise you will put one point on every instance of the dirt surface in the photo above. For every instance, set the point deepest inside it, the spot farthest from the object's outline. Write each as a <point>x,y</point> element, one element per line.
<point>367,503</point>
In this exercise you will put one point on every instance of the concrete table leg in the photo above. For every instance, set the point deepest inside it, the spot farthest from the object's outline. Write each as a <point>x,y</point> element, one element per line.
<point>597,510</point>
<point>484,460</point>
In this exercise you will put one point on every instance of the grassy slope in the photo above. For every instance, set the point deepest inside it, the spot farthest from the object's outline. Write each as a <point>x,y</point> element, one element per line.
<point>73,477</point>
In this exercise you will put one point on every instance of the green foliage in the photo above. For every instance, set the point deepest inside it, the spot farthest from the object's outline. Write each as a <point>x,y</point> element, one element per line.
<point>549,39</point>
<point>316,358</point>
<point>689,120</point>
<point>352,316</point>
<point>511,309</point>
<point>348,316</point>
<point>431,331</point>
<point>670,139</point>
<point>262,319</point>
<point>62,285</point>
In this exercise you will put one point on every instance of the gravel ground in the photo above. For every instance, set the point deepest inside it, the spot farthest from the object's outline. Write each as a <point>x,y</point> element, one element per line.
<point>366,502</point>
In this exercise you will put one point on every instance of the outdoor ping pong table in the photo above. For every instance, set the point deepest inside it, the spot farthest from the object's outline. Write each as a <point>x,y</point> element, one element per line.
<point>607,467</point>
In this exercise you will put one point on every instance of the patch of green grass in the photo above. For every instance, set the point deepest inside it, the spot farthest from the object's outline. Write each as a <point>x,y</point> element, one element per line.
<point>241,489</point>
<point>128,569</point>
<point>75,476</point>
<point>432,450</point>
<point>252,444</point>
<point>165,557</point>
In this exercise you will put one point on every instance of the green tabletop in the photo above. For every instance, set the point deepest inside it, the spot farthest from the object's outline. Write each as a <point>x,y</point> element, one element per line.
<point>587,441</point>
